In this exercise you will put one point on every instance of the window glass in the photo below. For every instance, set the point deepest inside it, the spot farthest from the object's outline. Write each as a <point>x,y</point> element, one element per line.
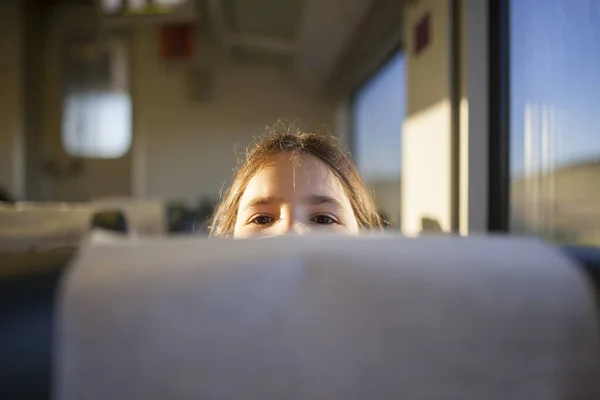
<point>139,6</point>
<point>96,119</point>
<point>379,110</point>
<point>555,119</point>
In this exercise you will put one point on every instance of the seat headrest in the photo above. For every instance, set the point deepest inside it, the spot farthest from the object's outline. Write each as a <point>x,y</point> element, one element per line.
<point>326,318</point>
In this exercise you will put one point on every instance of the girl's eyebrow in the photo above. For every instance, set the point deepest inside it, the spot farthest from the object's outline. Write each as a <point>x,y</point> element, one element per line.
<point>313,200</point>
<point>263,201</point>
<point>316,200</point>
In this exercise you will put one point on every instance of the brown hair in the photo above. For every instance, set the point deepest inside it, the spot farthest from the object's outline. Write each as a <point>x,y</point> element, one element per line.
<point>324,148</point>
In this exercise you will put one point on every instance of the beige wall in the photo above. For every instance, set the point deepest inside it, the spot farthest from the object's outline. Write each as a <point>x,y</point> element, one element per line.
<point>426,145</point>
<point>428,73</point>
<point>189,149</point>
<point>184,149</point>
<point>11,110</point>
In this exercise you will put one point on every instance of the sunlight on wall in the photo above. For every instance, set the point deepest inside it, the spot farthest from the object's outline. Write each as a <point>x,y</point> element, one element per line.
<point>426,168</point>
<point>463,223</point>
<point>426,133</point>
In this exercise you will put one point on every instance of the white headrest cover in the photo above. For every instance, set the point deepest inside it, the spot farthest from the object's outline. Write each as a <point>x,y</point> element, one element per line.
<point>326,318</point>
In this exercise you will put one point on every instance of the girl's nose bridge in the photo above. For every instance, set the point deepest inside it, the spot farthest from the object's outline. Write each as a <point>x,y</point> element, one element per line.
<point>294,218</point>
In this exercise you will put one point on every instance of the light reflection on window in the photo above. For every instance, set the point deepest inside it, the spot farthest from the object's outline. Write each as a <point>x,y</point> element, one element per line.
<point>555,119</point>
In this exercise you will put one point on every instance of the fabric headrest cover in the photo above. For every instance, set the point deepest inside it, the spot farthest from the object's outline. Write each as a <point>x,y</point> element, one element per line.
<point>326,318</point>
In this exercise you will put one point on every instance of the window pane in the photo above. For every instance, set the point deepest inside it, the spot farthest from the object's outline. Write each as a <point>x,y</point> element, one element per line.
<point>555,119</point>
<point>97,106</point>
<point>119,6</point>
<point>379,112</point>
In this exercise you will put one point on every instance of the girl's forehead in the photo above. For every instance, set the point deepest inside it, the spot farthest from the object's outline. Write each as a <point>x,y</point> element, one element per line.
<point>290,175</point>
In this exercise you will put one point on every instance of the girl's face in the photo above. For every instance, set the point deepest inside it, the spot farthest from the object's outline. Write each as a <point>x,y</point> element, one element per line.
<point>294,195</point>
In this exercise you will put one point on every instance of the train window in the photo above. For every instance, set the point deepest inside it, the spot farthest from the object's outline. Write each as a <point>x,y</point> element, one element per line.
<point>379,110</point>
<point>97,107</point>
<point>143,7</point>
<point>555,119</point>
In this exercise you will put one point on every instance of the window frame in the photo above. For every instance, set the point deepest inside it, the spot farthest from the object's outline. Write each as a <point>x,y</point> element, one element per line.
<point>123,39</point>
<point>498,157</point>
<point>499,116</point>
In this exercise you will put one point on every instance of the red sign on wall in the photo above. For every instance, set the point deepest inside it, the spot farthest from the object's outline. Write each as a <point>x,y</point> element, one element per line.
<point>177,42</point>
<point>422,34</point>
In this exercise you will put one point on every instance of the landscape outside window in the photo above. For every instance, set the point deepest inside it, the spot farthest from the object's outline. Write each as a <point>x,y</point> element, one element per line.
<point>555,119</point>
<point>379,110</point>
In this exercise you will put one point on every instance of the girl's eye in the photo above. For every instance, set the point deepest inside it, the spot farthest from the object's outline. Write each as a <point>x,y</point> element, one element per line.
<point>323,220</point>
<point>262,220</point>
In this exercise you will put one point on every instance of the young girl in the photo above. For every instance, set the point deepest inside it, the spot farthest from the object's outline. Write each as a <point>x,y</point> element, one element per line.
<point>295,182</point>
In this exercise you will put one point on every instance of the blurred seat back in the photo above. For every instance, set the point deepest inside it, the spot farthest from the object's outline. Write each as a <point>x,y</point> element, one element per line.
<point>589,259</point>
<point>28,285</point>
<point>145,217</point>
<point>27,226</point>
<point>110,220</point>
<point>326,318</point>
